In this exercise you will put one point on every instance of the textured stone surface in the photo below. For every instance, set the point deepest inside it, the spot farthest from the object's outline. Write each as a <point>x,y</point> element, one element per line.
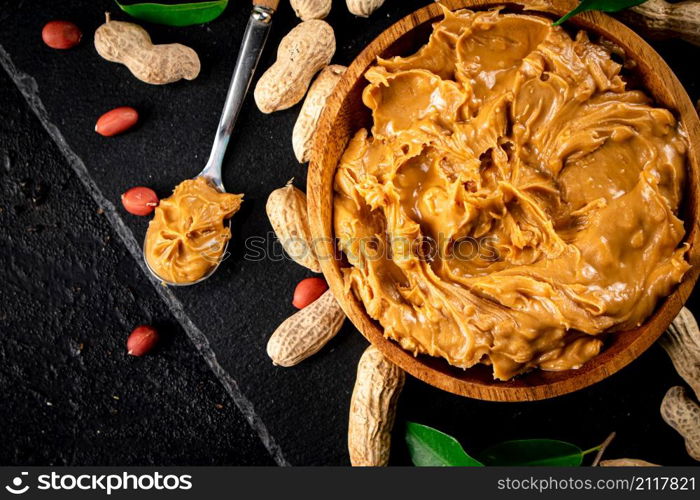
<point>304,408</point>
<point>70,293</point>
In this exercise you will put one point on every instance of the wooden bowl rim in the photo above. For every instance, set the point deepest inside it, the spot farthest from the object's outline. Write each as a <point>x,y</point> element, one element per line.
<point>537,384</point>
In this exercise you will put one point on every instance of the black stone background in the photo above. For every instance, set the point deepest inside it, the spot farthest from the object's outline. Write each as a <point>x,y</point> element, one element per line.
<point>70,292</point>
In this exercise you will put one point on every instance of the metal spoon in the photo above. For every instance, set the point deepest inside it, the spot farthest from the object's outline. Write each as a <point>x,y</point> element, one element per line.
<point>248,56</point>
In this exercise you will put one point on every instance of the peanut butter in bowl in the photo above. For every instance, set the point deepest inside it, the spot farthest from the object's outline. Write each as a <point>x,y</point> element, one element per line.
<point>514,201</point>
<point>188,234</point>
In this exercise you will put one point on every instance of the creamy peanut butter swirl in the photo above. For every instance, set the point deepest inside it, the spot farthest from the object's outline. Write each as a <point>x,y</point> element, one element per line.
<point>188,235</point>
<point>513,201</point>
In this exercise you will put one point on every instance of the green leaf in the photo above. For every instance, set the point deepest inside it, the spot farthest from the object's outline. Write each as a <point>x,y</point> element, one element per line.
<point>602,5</point>
<point>177,14</point>
<point>539,452</point>
<point>431,448</point>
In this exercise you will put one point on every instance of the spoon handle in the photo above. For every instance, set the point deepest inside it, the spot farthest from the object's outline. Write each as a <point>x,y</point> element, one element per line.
<point>248,56</point>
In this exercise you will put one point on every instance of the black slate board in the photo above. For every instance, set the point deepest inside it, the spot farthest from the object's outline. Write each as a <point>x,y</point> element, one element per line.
<point>69,294</point>
<point>304,408</point>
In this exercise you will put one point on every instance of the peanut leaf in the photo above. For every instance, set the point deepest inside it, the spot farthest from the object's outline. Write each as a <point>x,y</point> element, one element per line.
<point>176,14</point>
<point>533,452</point>
<point>602,5</point>
<point>431,448</point>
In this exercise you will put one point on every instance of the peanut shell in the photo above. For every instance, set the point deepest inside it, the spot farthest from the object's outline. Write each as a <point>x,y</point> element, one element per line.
<point>306,332</point>
<point>682,343</point>
<point>363,8</point>
<point>301,54</point>
<point>373,409</point>
<point>305,126</point>
<point>683,414</point>
<point>311,9</point>
<point>626,462</point>
<point>286,209</point>
<point>130,45</point>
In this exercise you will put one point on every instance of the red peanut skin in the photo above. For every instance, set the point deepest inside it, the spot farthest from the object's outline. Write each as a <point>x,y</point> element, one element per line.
<point>61,34</point>
<point>142,340</point>
<point>307,291</point>
<point>140,200</point>
<point>116,121</point>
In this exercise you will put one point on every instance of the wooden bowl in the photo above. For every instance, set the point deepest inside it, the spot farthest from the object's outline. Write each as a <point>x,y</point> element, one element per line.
<point>345,114</point>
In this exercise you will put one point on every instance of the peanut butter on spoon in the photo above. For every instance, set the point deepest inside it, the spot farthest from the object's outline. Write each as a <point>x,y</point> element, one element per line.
<point>188,234</point>
<point>513,201</point>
